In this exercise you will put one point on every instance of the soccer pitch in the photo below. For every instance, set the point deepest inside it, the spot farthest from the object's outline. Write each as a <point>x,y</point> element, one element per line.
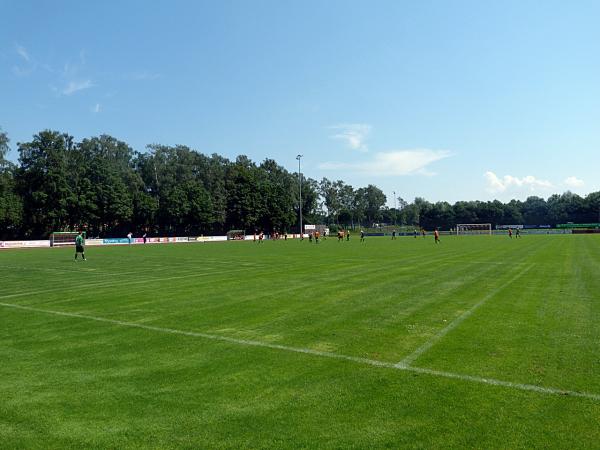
<point>479,342</point>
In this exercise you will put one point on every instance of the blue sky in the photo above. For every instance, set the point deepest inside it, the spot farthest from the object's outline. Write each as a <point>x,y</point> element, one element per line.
<point>451,101</point>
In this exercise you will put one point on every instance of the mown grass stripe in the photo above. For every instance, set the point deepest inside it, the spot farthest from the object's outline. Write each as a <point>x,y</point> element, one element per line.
<point>371,362</point>
<point>408,360</point>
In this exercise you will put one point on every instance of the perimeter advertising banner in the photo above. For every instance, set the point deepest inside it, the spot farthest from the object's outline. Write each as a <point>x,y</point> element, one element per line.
<point>24,244</point>
<point>506,227</point>
<point>210,238</point>
<point>578,225</point>
<point>113,241</point>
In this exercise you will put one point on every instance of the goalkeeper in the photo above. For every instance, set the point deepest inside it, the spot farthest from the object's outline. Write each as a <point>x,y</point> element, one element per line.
<point>79,246</point>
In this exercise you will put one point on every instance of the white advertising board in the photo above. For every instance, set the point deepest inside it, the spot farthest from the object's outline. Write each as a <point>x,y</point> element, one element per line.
<point>211,238</point>
<point>24,244</point>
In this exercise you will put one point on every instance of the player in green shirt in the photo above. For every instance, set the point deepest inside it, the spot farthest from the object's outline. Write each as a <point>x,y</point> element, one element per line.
<point>79,246</point>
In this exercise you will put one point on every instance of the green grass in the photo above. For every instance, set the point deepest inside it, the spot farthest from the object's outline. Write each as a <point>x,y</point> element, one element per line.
<point>521,311</point>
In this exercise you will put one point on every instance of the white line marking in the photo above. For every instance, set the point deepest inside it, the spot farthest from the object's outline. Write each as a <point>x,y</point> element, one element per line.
<point>408,360</point>
<point>508,384</point>
<point>308,351</point>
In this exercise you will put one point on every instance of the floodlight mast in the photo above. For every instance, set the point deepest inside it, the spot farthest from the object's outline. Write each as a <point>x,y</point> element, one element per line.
<point>395,208</point>
<point>299,157</point>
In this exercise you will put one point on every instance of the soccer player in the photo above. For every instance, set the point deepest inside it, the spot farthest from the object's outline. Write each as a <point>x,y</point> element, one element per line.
<point>362,236</point>
<point>423,232</point>
<point>129,236</point>
<point>415,233</point>
<point>517,233</point>
<point>510,233</point>
<point>340,236</point>
<point>261,237</point>
<point>347,235</point>
<point>436,234</point>
<point>393,235</point>
<point>317,234</point>
<point>79,246</point>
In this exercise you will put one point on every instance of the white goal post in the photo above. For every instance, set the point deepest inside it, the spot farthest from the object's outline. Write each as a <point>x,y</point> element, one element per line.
<point>473,228</point>
<point>60,238</point>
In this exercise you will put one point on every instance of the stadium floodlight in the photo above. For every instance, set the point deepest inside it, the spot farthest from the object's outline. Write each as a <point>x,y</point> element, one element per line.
<point>473,228</point>
<point>395,208</point>
<point>299,157</point>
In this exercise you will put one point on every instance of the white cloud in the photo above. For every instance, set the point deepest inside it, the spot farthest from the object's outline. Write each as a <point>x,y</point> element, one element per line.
<point>510,183</point>
<point>75,86</point>
<point>394,163</point>
<point>20,71</point>
<point>27,66</point>
<point>96,108</point>
<point>573,182</point>
<point>353,134</point>
<point>142,75</point>
<point>23,52</point>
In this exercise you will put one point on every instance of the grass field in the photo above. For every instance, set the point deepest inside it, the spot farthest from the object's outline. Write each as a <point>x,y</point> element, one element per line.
<point>480,342</point>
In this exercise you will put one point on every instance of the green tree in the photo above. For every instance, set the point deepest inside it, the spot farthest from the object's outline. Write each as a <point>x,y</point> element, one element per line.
<point>535,211</point>
<point>593,207</point>
<point>105,186</point>
<point>43,181</point>
<point>374,199</point>
<point>244,203</point>
<point>330,192</point>
<point>277,189</point>
<point>11,206</point>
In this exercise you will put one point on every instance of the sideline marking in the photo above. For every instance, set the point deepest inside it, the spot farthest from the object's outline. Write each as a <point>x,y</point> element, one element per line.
<point>408,360</point>
<point>308,351</point>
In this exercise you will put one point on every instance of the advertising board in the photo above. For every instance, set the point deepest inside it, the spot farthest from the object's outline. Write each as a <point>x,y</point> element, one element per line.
<point>113,241</point>
<point>24,244</point>
<point>506,227</point>
<point>211,238</point>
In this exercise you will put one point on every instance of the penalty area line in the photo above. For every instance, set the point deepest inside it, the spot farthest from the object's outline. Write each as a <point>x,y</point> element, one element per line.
<point>408,360</point>
<point>308,351</point>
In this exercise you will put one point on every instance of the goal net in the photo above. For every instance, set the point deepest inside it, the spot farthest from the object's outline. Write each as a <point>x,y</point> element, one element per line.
<point>235,235</point>
<point>473,228</point>
<point>59,238</point>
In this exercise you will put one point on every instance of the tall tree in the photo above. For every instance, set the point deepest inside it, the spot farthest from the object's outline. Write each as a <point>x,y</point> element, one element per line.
<point>105,186</point>
<point>375,199</point>
<point>278,197</point>
<point>43,181</point>
<point>245,207</point>
<point>535,211</point>
<point>330,192</point>
<point>11,207</point>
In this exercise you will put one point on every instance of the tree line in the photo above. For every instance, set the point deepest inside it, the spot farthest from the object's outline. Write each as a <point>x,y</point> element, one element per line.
<point>103,185</point>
